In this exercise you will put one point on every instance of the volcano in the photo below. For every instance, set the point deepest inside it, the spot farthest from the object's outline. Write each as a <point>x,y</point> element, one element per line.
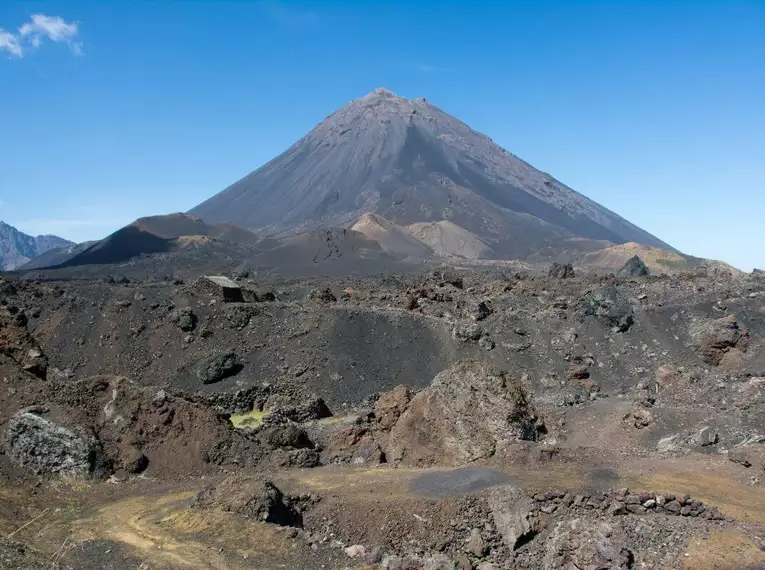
<point>409,162</point>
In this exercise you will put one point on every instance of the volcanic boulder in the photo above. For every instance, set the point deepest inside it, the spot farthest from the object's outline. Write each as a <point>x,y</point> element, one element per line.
<point>561,271</point>
<point>322,295</point>
<point>749,456</point>
<point>8,289</point>
<point>715,338</point>
<point>43,446</point>
<point>132,459</point>
<point>390,405</point>
<point>609,306</point>
<point>470,412</point>
<point>635,267</point>
<point>184,318</point>
<point>354,444</point>
<point>467,331</point>
<point>577,372</point>
<point>668,375</point>
<point>288,435</point>
<point>300,410</point>
<point>512,510</point>
<point>482,311</point>
<point>219,367</point>
<point>254,498</point>
<point>447,276</point>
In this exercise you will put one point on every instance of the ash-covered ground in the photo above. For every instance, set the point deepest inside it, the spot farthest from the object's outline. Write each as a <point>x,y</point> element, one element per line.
<point>452,418</point>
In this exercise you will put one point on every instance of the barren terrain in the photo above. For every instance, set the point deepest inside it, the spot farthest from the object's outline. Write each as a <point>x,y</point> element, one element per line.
<point>440,419</point>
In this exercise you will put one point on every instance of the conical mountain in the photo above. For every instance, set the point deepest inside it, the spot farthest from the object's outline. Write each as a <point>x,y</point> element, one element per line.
<point>408,161</point>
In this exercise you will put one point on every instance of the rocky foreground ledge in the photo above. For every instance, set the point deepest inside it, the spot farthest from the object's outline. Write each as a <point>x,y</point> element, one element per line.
<point>499,527</point>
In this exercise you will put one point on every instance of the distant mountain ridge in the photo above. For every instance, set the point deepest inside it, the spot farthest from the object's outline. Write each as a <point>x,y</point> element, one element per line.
<point>409,162</point>
<point>175,240</point>
<point>166,243</point>
<point>18,248</point>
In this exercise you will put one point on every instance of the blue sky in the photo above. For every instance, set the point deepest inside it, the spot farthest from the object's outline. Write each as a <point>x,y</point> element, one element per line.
<point>114,110</point>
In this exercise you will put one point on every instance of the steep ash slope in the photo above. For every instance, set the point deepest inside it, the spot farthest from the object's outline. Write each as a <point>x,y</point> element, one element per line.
<point>408,161</point>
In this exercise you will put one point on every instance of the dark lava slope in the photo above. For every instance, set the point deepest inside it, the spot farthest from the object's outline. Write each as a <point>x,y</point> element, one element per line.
<point>145,236</point>
<point>408,161</point>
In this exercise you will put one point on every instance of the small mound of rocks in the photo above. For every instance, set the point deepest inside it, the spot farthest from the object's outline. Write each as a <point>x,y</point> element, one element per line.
<point>624,501</point>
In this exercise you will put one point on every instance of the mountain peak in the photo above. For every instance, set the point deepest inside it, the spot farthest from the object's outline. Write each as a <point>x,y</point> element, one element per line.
<point>383,92</point>
<point>408,162</point>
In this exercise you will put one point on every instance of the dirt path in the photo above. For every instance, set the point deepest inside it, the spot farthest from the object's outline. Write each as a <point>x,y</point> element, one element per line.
<point>149,526</point>
<point>152,523</point>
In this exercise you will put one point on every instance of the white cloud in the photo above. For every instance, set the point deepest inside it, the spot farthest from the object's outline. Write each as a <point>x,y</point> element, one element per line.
<point>39,28</point>
<point>10,43</point>
<point>54,27</point>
